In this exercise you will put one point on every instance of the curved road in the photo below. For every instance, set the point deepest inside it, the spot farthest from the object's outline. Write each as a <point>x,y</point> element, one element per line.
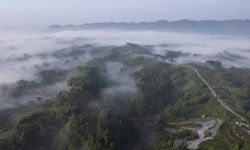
<point>216,96</point>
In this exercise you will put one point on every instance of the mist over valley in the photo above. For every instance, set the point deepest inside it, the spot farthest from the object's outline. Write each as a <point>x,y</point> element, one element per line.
<point>146,86</point>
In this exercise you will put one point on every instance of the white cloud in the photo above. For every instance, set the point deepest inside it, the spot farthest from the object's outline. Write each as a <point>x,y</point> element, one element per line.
<point>44,12</point>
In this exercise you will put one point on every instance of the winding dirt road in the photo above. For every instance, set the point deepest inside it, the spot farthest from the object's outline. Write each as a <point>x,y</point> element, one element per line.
<point>216,96</point>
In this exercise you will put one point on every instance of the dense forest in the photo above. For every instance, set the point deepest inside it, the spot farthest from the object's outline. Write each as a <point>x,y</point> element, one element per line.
<point>125,94</point>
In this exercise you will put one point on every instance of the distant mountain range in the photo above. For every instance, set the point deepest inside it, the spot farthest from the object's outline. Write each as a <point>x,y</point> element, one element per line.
<point>205,26</point>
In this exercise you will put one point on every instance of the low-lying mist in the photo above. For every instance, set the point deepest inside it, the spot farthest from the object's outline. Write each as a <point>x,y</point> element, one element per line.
<point>31,57</point>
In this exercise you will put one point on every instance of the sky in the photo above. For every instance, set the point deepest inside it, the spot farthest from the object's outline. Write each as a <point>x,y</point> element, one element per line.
<point>41,13</point>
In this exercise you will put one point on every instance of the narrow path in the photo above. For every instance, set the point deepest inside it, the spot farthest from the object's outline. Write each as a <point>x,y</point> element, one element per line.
<point>216,96</point>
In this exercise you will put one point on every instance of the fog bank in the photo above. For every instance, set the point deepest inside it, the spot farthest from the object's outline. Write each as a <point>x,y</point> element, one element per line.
<point>33,55</point>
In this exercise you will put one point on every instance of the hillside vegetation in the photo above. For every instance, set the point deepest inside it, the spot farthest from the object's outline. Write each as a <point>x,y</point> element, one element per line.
<point>111,96</point>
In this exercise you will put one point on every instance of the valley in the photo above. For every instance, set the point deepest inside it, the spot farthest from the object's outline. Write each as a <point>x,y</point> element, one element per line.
<point>157,105</point>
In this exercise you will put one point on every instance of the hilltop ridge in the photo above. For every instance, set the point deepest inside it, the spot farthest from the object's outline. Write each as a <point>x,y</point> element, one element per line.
<point>235,26</point>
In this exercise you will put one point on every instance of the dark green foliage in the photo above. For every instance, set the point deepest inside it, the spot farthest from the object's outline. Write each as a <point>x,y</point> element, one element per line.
<point>78,119</point>
<point>187,135</point>
<point>155,88</point>
<point>85,87</point>
<point>69,122</point>
<point>38,131</point>
<point>105,130</point>
<point>23,87</point>
<point>51,76</point>
<point>216,64</point>
<point>87,80</point>
<point>114,132</point>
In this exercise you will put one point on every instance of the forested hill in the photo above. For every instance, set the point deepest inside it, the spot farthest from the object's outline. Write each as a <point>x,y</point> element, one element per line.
<point>205,26</point>
<point>126,98</point>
